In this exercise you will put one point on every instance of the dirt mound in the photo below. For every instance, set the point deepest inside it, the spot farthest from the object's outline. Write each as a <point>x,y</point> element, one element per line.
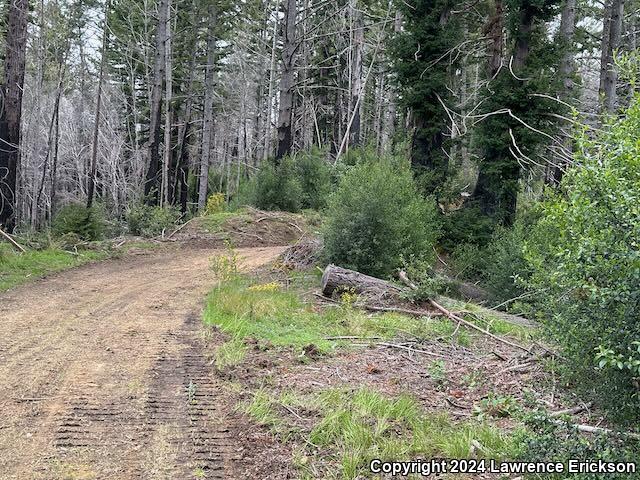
<point>249,228</point>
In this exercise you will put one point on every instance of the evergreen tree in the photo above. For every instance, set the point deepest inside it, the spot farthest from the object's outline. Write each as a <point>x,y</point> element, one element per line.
<point>424,52</point>
<point>509,136</point>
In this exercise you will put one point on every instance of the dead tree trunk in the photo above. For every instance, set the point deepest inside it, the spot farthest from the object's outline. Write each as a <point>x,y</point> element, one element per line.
<point>207,128</point>
<point>608,69</point>
<point>285,117</point>
<point>155,111</point>
<point>356,74</point>
<point>11,92</point>
<point>96,123</point>
<point>567,71</point>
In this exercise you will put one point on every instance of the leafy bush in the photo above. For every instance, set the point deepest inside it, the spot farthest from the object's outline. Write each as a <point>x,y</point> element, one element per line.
<point>215,204</point>
<point>151,221</point>
<point>277,187</point>
<point>314,175</point>
<point>507,271</point>
<point>467,225</point>
<point>377,218</point>
<point>87,224</point>
<point>548,440</point>
<point>585,254</point>
<point>468,262</point>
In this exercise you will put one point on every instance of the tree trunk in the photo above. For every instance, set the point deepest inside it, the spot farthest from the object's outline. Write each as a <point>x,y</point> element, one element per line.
<point>609,68</point>
<point>10,114</point>
<point>495,32</point>
<point>207,128</point>
<point>167,110</point>
<point>155,110</point>
<point>96,122</point>
<point>356,75</point>
<point>567,71</point>
<point>272,79</point>
<point>285,117</point>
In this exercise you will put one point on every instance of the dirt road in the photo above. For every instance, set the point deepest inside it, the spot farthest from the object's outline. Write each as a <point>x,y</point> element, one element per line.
<point>102,372</point>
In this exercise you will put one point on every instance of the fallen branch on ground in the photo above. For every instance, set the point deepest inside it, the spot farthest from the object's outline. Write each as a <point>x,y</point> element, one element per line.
<point>409,349</point>
<point>597,430</point>
<point>12,241</point>
<point>180,228</point>
<point>403,277</point>
<point>571,411</point>
<point>406,311</point>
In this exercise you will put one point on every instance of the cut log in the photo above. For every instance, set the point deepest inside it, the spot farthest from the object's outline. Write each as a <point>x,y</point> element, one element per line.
<point>341,279</point>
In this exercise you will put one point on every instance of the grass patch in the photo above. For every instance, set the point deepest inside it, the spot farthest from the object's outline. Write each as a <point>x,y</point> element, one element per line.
<point>281,317</point>
<point>18,268</point>
<point>230,353</point>
<point>495,324</point>
<point>214,223</point>
<point>356,426</point>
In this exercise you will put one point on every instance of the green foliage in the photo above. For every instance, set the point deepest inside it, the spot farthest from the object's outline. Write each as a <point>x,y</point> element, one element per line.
<point>358,426</point>
<point>17,268</point>
<point>507,271</point>
<point>88,224</point>
<point>548,440</point>
<point>631,361</point>
<point>496,406</point>
<point>466,226</point>
<point>281,318</point>
<point>301,181</point>
<point>584,253</point>
<point>419,51</point>
<point>215,204</point>
<point>468,261</point>
<point>377,218</point>
<point>314,175</point>
<point>149,221</point>
<point>277,187</point>
<point>502,138</point>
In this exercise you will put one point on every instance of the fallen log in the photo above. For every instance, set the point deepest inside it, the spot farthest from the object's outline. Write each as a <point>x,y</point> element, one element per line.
<point>337,279</point>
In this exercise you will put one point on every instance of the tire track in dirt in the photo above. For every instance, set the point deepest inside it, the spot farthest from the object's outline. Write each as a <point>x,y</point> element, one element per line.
<point>103,375</point>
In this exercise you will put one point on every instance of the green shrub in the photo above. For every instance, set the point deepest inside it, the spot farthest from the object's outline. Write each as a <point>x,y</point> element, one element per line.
<point>507,271</point>
<point>151,221</point>
<point>314,175</point>
<point>215,204</point>
<point>468,262</point>
<point>87,224</point>
<point>377,218</point>
<point>549,441</point>
<point>277,187</point>
<point>467,225</point>
<point>585,255</point>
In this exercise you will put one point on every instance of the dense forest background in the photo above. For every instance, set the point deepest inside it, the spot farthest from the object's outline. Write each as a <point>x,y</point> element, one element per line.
<point>165,102</point>
<point>497,137</point>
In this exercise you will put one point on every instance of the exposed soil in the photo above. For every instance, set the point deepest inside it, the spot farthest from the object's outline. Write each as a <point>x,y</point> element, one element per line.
<point>103,375</point>
<point>252,228</point>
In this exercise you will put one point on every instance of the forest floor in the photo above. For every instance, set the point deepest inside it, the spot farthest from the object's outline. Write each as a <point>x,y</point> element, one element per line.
<point>103,373</point>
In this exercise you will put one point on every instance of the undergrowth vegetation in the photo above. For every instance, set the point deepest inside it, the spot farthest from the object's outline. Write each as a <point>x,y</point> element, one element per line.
<point>266,312</point>
<point>377,219</point>
<point>17,268</point>
<point>355,426</point>
<point>585,255</point>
